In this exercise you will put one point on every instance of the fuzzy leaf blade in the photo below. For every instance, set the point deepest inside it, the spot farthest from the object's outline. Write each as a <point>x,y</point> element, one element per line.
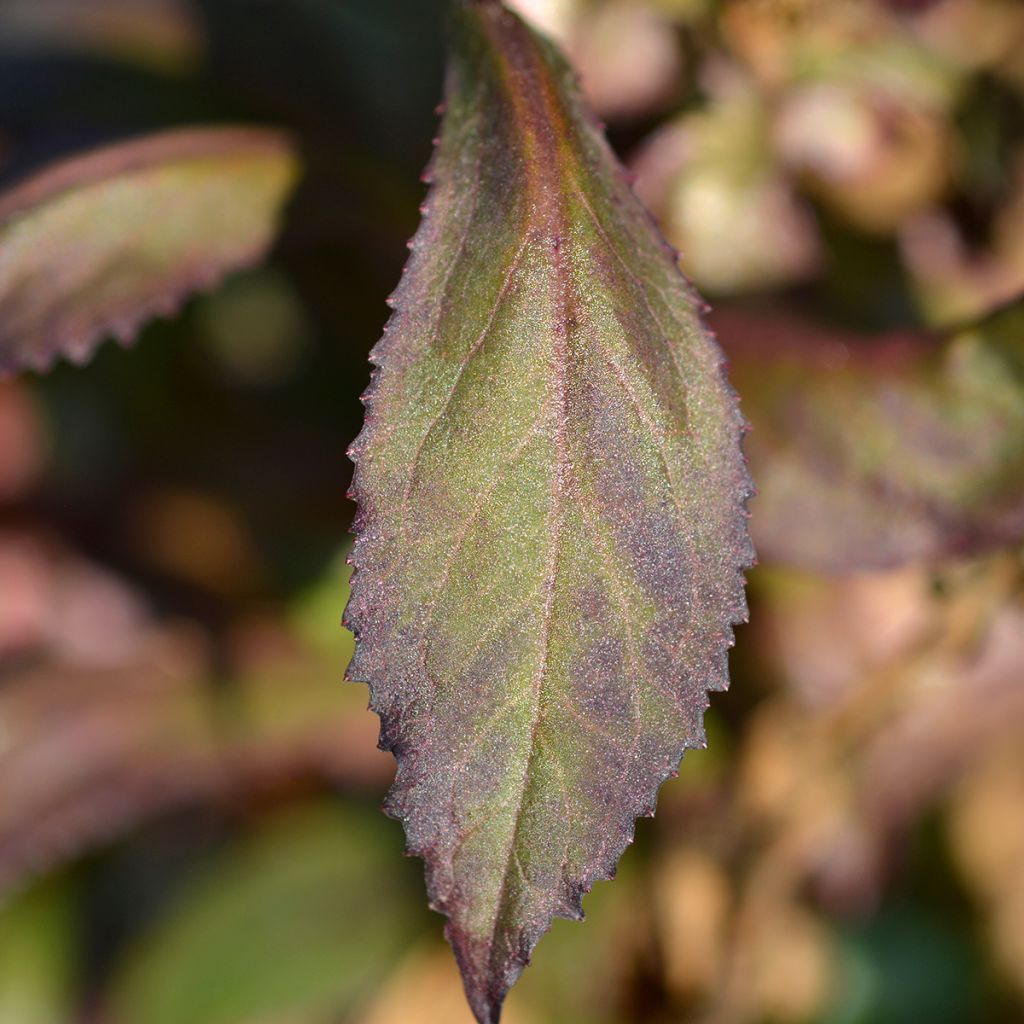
<point>551,528</point>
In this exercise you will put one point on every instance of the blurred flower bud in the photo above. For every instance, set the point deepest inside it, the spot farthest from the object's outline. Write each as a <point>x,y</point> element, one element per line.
<point>710,181</point>
<point>873,157</point>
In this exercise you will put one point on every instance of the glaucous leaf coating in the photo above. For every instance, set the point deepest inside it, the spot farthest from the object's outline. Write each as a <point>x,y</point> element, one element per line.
<point>551,529</point>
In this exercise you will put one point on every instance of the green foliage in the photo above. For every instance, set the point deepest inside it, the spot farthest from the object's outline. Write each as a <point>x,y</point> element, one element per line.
<point>36,955</point>
<point>102,243</point>
<point>299,921</point>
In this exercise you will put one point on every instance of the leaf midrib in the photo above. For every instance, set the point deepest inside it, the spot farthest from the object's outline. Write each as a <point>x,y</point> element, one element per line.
<point>547,219</point>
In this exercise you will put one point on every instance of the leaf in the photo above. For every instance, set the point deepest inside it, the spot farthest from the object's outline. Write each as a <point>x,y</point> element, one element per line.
<point>158,33</point>
<point>551,524</point>
<point>873,452</point>
<point>586,975</point>
<point>298,922</point>
<point>37,955</point>
<point>92,751</point>
<point>100,243</point>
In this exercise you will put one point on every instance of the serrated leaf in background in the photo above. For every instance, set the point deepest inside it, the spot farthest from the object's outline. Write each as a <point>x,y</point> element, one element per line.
<point>99,244</point>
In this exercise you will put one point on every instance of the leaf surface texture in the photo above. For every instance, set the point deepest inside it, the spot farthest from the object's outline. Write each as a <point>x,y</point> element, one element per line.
<point>551,528</point>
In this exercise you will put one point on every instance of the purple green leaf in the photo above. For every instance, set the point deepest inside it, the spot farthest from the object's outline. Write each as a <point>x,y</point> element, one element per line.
<point>551,528</point>
<point>99,244</point>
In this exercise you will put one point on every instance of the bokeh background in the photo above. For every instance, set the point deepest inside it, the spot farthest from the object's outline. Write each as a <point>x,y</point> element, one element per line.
<point>189,794</point>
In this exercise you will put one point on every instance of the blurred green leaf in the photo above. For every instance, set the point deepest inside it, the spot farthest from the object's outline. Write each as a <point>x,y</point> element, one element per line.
<point>904,966</point>
<point>314,613</point>
<point>99,244</point>
<point>159,33</point>
<point>300,921</point>
<point>37,949</point>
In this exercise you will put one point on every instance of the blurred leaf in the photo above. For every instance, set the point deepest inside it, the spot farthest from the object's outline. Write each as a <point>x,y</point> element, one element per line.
<point>100,243</point>
<point>161,33</point>
<point>874,452</point>
<point>87,752</point>
<point>95,754</point>
<point>905,966</point>
<point>551,528</point>
<point>298,922</point>
<point>36,957</point>
<point>314,613</point>
<point>92,747</point>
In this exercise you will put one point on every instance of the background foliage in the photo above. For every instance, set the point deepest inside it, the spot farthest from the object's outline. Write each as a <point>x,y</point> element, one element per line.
<point>188,794</point>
